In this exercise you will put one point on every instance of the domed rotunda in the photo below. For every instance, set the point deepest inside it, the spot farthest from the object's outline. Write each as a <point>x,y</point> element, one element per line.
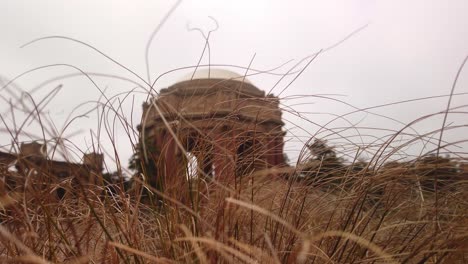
<point>215,124</point>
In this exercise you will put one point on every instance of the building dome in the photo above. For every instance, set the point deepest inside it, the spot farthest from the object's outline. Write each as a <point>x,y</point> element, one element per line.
<point>214,74</point>
<point>216,92</point>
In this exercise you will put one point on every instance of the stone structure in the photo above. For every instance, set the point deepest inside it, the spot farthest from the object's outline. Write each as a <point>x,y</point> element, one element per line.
<point>32,161</point>
<point>219,120</point>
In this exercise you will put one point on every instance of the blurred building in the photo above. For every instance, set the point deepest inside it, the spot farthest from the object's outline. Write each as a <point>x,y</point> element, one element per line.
<point>31,164</point>
<point>215,124</point>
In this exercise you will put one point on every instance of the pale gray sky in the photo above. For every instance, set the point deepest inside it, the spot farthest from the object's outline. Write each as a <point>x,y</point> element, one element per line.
<point>410,49</point>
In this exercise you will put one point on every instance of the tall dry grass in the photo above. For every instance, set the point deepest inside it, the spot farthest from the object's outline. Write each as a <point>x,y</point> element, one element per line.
<point>361,212</point>
<point>358,216</point>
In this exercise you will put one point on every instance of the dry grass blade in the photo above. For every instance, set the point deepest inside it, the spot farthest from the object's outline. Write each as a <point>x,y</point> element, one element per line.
<point>265,212</point>
<point>349,236</point>
<point>79,260</point>
<point>200,254</point>
<point>29,259</point>
<point>218,246</point>
<point>145,255</point>
<point>29,256</point>
<point>215,185</point>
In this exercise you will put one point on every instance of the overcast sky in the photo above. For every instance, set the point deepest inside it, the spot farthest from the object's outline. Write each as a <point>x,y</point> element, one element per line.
<point>409,49</point>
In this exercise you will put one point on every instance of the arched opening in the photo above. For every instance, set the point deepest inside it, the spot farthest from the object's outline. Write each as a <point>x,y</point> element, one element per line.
<point>61,192</point>
<point>198,157</point>
<point>191,171</point>
<point>245,163</point>
<point>250,156</point>
<point>10,176</point>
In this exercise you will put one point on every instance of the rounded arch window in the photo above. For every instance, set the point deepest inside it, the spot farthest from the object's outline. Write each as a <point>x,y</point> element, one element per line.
<point>61,192</point>
<point>198,156</point>
<point>246,157</point>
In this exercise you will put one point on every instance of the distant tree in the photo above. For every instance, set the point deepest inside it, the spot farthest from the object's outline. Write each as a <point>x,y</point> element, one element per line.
<point>115,180</point>
<point>324,159</point>
<point>286,158</point>
<point>145,166</point>
<point>359,165</point>
<point>320,150</point>
<point>432,167</point>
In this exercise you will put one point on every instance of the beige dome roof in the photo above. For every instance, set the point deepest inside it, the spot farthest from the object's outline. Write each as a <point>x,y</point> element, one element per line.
<point>214,74</point>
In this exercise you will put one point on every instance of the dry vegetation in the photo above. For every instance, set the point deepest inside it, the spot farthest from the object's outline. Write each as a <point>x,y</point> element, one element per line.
<point>358,216</point>
<point>317,212</point>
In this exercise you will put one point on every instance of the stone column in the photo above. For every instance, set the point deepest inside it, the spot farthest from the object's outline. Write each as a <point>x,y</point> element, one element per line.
<point>278,151</point>
<point>170,161</point>
<point>224,150</point>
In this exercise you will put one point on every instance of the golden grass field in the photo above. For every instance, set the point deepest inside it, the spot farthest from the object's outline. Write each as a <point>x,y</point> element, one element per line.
<point>358,216</point>
<point>383,210</point>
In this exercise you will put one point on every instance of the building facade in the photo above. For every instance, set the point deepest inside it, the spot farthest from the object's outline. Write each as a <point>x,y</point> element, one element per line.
<point>217,125</point>
<point>32,166</point>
